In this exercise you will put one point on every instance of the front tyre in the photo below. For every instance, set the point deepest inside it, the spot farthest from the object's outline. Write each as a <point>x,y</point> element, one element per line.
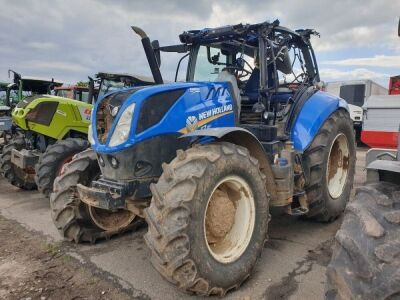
<point>53,159</point>
<point>23,179</point>
<point>208,218</point>
<point>75,220</point>
<point>330,163</point>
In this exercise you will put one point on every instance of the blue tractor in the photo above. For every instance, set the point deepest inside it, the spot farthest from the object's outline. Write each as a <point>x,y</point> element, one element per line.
<point>207,160</point>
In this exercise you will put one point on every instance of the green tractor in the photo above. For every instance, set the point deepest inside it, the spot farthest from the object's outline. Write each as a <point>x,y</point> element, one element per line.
<point>13,93</point>
<point>54,130</point>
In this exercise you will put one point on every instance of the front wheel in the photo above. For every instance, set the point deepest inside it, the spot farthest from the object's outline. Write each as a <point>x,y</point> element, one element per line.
<point>208,218</point>
<point>75,220</point>
<point>23,179</point>
<point>330,164</point>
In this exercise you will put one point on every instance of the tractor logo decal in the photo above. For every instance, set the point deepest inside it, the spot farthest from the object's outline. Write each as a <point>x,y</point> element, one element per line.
<point>85,113</point>
<point>193,123</point>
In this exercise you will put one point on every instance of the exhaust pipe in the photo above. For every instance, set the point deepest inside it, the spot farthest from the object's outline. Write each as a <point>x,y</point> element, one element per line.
<point>91,96</point>
<point>151,58</point>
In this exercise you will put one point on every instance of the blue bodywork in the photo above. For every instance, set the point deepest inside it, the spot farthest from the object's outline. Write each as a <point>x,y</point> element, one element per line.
<point>311,117</point>
<point>203,105</point>
<point>210,105</point>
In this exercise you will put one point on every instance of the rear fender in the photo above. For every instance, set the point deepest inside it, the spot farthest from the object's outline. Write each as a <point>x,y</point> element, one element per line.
<point>242,137</point>
<point>315,111</point>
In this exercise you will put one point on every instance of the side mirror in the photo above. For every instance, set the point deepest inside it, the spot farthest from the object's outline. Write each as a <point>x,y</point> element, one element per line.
<point>91,94</point>
<point>156,48</point>
<point>398,29</point>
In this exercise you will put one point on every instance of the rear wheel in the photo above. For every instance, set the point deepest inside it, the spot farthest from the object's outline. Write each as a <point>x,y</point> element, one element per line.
<point>208,218</point>
<point>75,220</point>
<point>366,255</point>
<point>53,159</point>
<point>330,164</point>
<point>23,179</point>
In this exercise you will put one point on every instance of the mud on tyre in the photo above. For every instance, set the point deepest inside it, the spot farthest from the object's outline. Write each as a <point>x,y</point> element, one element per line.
<point>75,220</point>
<point>13,174</point>
<point>330,165</point>
<point>52,160</point>
<point>366,254</point>
<point>208,218</point>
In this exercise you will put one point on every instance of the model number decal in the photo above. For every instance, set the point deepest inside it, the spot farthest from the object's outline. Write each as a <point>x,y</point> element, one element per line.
<point>63,113</point>
<point>215,111</point>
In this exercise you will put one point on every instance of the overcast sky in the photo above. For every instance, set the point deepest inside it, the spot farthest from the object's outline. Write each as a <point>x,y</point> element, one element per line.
<point>69,40</point>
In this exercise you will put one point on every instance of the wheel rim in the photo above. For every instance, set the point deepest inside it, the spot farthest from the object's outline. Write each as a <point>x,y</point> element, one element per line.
<point>338,166</point>
<point>229,219</point>
<point>111,221</point>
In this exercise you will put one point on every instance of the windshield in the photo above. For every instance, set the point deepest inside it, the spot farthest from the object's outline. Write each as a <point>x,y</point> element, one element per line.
<point>65,93</point>
<point>209,63</point>
<point>353,94</point>
<point>108,86</point>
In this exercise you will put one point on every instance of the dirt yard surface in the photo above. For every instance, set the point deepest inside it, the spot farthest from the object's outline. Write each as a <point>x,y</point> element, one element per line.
<point>36,264</point>
<point>31,268</point>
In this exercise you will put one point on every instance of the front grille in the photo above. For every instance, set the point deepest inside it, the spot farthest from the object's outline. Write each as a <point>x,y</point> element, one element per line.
<point>104,119</point>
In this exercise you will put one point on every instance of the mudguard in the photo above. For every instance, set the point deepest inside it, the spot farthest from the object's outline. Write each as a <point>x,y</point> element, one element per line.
<point>313,114</point>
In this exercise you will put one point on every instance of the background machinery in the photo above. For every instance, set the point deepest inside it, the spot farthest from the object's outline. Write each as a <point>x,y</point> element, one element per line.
<point>54,130</point>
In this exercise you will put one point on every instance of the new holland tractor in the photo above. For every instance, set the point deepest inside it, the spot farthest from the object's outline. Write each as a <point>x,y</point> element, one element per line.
<point>54,130</point>
<point>207,161</point>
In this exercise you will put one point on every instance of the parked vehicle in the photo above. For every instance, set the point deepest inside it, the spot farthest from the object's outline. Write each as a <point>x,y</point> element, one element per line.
<point>355,92</point>
<point>15,92</point>
<point>394,85</point>
<point>214,154</point>
<point>54,130</point>
<point>381,121</point>
<point>79,93</point>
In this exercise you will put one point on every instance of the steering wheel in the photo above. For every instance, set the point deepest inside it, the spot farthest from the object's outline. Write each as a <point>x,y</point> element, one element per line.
<point>237,69</point>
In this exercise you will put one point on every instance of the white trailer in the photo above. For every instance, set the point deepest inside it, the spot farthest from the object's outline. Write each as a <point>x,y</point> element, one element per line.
<point>355,92</point>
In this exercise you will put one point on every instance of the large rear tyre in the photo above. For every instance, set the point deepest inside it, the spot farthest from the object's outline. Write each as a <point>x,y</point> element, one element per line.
<point>366,255</point>
<point>53,159</point>
<point>75,220</point>
<point>16,176</point>
<point>330,163</point>
<point>208,218</point>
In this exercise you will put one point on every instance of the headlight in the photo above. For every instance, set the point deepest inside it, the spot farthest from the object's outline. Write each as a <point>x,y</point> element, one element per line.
<point>123,128</point>
<point>90,135</point>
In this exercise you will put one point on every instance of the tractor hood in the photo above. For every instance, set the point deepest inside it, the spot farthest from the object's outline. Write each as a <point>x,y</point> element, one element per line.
<point>158,110</point>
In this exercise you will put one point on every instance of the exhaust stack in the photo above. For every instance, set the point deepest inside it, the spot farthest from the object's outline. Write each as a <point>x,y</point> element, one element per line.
<point>151,58</point>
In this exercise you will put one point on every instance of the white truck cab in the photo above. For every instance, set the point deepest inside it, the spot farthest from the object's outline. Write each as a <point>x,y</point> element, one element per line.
<point>355,92</point>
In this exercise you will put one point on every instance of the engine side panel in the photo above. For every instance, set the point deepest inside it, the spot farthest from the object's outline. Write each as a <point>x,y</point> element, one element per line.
<point>198,106</point>
<point>311,117</point>
<point>69,115</point>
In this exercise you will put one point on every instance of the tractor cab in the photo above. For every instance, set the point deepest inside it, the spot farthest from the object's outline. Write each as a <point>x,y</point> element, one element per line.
<point>80,93</point>
<point>267,67</point>
<point>23,87</point>
<point>3,98</point>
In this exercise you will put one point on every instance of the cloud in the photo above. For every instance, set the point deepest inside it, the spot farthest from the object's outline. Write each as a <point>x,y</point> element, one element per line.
<point>42,46</point>
<point>356,74</point>
<point>56,65</point>
<point>384,61</point>
<point>73,39</point>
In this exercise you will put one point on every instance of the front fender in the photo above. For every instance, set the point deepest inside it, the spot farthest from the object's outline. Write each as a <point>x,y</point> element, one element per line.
<point>313,114</point>
<point>242,137</point>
